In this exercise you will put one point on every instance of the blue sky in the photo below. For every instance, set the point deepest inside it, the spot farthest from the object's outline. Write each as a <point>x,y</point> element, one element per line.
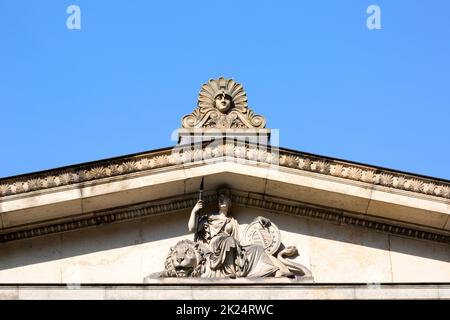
<point>122,83</point>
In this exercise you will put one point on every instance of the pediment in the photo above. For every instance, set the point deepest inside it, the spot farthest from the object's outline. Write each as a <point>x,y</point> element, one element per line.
<point>127,244</point>
<point>129,219</point>
<point>353,201</point>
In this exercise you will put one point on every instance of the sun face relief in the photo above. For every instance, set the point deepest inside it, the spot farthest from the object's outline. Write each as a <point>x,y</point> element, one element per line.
<point>223,102</point>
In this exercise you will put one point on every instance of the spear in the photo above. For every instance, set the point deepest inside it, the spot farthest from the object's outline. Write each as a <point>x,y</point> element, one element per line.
<point>200,197</point>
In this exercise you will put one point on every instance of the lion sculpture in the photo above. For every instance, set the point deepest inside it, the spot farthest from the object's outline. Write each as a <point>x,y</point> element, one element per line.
<point>185,259</point>
<point>188,259</point>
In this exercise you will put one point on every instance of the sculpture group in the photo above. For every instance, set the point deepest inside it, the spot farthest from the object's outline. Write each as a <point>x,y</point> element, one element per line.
<point>218,251</point>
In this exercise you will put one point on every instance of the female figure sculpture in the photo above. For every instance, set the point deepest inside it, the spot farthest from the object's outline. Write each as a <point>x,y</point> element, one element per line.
<point>216,251</point>
<point>226,256</point>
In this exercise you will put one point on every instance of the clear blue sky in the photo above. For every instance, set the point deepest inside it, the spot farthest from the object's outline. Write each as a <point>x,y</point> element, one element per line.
<point>122,83</point>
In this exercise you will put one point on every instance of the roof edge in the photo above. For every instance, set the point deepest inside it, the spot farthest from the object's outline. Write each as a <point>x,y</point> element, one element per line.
<point>168,156</point>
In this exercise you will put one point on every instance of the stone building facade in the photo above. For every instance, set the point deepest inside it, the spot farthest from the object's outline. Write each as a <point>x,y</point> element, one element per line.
<point>109,228</point>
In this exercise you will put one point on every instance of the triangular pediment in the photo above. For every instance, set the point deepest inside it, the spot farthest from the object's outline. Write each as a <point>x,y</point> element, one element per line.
<point>124,220</point>
<point>33,201</point>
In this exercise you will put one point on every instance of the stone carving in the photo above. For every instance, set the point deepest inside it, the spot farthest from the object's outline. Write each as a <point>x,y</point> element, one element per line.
<point>158,208</point>
<point>299,161</point>
<point>264,232</point>
<point>222,104</point>
<point>185,259</point>
<point>218,253</point>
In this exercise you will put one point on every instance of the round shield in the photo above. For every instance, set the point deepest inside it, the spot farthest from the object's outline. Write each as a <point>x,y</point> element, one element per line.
<point>267,236</point>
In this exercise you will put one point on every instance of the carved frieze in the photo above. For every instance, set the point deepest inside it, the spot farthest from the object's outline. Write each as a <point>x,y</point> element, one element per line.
<point>294,160</point>
<point>157,208</point>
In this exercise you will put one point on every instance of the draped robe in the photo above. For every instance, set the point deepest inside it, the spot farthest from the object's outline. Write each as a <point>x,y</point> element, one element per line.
<point>227,257</point>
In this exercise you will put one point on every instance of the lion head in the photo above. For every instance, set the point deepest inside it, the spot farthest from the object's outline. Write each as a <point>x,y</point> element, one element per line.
<point>184,260</point>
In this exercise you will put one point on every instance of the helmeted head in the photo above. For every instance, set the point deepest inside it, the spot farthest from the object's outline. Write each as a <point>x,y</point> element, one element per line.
<point>224,199</point>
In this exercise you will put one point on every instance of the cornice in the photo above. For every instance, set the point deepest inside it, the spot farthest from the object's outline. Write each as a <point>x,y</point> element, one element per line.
<point>239,289</point>
<point>166,158</point>
<point>167,206</point>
